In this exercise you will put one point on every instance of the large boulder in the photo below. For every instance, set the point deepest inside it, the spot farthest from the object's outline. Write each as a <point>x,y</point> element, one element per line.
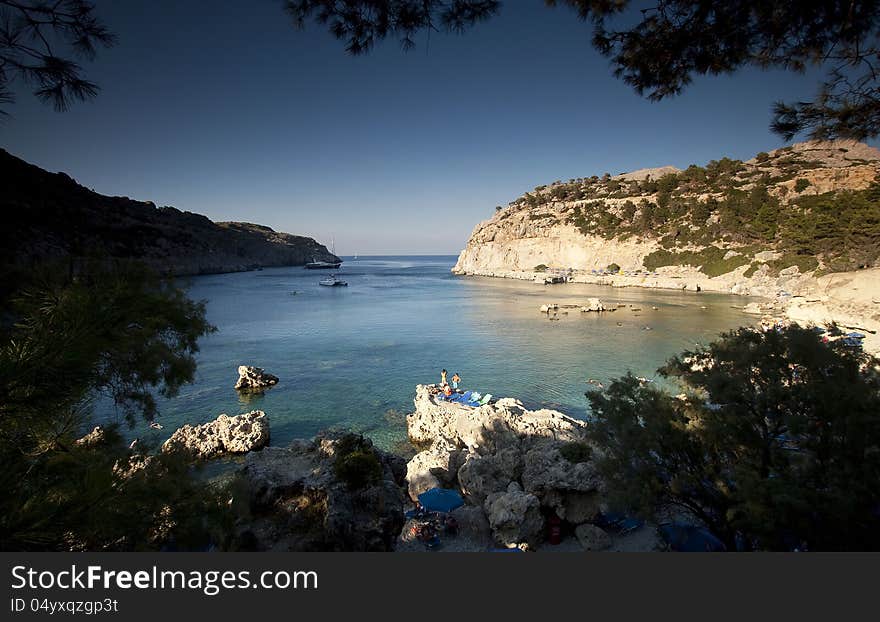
<point>481,475</point>
<point>236,435</point>
<point>435,467</point>
<point>252,379</point>
<point>592,538</point>
<point>515,517</point>
<point>552,478</point>
<point>298,499</point>
<point>487,427</point>
<point>472,523</point>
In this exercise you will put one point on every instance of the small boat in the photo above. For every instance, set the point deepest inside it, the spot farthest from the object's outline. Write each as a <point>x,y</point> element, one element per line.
<point>332,281</point>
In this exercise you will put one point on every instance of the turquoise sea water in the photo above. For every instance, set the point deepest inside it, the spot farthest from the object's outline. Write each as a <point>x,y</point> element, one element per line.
<point>351,356</point>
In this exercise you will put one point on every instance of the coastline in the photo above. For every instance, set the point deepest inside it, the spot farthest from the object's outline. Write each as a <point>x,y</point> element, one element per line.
<point>849,299</point>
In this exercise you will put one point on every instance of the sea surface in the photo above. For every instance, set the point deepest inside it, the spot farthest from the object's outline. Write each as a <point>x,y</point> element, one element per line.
<point>350,357</point>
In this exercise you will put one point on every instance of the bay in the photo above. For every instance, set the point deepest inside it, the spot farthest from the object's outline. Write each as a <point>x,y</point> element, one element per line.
<point>350,357</point>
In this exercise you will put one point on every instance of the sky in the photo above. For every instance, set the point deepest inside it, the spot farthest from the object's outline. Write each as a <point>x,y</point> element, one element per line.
<point>233,113</point>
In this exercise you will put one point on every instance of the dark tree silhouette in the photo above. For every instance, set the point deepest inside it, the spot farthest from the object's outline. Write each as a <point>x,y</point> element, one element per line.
<point>37,38</point>
<point>361,23</point>
<point>659,49</point>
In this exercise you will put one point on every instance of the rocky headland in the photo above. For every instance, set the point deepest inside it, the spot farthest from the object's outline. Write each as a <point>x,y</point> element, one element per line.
<point>516,468</point>
<point>50,216</point>
<point>798,228</point>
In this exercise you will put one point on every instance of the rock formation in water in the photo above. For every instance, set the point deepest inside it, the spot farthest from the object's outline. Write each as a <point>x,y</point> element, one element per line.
<point>304,497</point>
<point>50,216</point>
<point>513,465</point>
<point>233,435</point>
<point>791,225</point>
<point>254,379</point>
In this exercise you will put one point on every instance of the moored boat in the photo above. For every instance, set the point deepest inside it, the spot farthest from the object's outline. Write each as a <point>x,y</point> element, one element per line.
<point>323,265</point>
<point>332,281</point>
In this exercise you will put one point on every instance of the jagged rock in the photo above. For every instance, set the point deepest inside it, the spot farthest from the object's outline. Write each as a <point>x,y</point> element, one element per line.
<point>225,434</point>
<point>135,464</point>
<point>297,502</point>
<point>254,379</point>
<point>489,427</point>
<point>593,304</point>
<point>499,448</point>
<point>515,517</point>
<point>432,468</point>
<point>93,438</point>
<point>472,523</point>
<point>480,476</point>
<point>579,507</point>
<point>592,538</point>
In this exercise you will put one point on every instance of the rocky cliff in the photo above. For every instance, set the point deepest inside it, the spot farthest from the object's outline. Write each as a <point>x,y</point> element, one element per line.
<point>49,216</point>
<point>754,227</point>
<point>797,225</point>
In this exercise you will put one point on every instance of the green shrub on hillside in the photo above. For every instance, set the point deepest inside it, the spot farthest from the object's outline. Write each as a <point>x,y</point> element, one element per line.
<point>805,263</point>
<point>355,462</point>
<point>576,452</point>
<point>710,260</point>
<point>802,184</point>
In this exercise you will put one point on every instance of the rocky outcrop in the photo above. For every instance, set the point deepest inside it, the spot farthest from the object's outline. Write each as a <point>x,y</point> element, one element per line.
<point>296,500</point>
<point>583,227</point>
<point>254,379</point>
<point>94,438</point>
<point>50,216</point>
<point>515,517</point>
<point>592,538</point>
<point>234,435</point>
<point>508,461</point>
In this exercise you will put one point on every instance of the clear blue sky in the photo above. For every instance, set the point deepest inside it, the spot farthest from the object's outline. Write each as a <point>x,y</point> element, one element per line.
<point>230,112</point>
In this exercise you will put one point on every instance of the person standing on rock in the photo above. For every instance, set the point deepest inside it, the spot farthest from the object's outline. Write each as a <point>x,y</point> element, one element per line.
<point>455,380</point>
<point>442,377</point>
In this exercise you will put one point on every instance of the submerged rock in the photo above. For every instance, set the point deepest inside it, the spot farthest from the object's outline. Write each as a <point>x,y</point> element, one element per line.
<point>252,378</point>
<point>225,434</point>
<point>297,498</point>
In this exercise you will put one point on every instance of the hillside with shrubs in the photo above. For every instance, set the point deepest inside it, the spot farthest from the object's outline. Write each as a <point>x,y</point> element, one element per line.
<point>812,205</point>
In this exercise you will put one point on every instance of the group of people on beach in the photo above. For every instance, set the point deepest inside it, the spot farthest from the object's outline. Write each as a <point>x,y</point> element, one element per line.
<point>445,387</point>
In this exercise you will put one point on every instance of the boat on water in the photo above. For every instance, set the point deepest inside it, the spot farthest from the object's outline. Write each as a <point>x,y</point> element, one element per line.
<point>332,281</point>
<point>323,265</point>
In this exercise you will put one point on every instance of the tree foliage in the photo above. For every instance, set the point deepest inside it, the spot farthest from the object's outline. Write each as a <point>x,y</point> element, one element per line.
<point>109,331</point>
<point>776,443</point>
<point>659,50</point>
<point>38,39</point>
<point>364,22</point>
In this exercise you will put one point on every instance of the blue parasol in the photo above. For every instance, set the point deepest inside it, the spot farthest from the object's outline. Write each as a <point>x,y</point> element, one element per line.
<point>440,500</point>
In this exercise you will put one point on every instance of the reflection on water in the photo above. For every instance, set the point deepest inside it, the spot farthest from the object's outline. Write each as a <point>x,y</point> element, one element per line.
<point>350,357</point>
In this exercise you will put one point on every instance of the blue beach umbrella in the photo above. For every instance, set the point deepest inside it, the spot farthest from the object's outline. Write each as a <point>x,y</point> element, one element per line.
<point>690,539</point>
<point>440,500</point>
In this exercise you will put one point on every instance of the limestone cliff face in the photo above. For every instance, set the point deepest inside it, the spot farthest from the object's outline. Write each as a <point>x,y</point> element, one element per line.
<point>50,216</point>
<point>516,244</point>
<point>727,226</point>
